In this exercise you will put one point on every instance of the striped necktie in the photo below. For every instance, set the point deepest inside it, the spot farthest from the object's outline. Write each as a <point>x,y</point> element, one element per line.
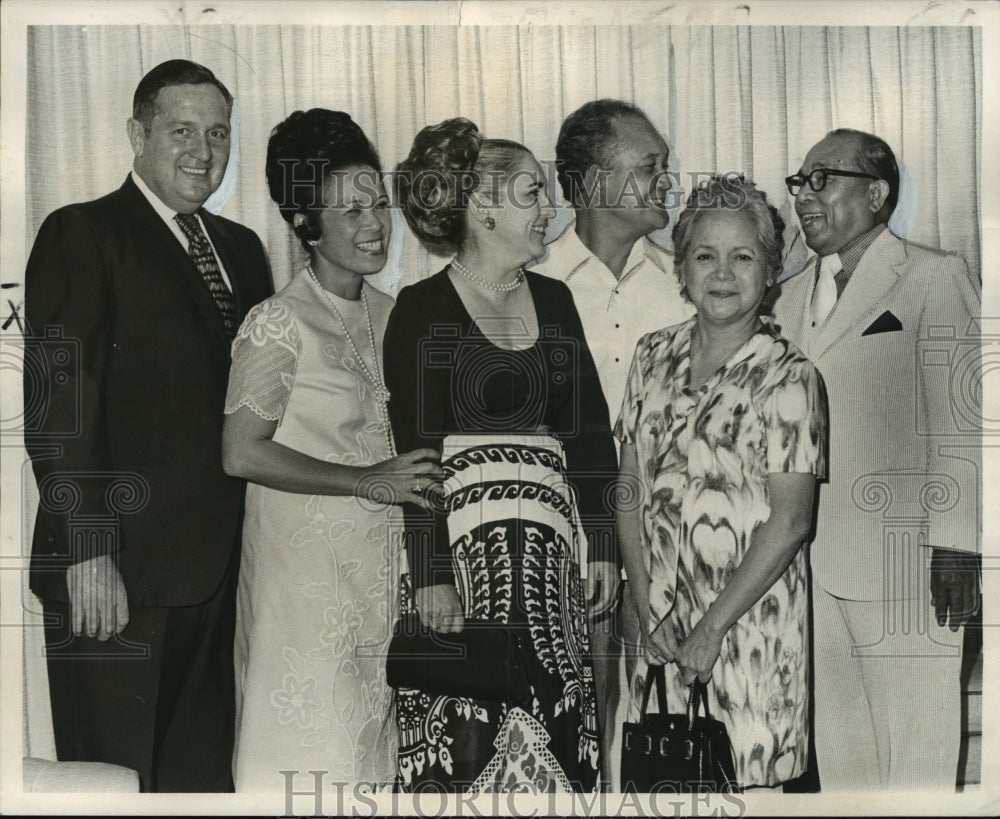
<point>203,257</point>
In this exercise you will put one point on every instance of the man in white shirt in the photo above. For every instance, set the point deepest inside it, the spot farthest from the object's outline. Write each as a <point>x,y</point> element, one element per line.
<point>611,163</point>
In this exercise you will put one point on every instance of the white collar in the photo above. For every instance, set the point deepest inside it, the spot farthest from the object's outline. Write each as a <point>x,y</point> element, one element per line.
<point>167,214</point>
<point>575,254</point>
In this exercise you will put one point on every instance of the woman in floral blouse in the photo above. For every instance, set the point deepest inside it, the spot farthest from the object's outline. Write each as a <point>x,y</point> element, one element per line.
<point>723,427</point>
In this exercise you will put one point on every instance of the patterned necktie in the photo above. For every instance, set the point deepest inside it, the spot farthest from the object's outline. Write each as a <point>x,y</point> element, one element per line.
<point>203,257</point>
<point>825,295</point>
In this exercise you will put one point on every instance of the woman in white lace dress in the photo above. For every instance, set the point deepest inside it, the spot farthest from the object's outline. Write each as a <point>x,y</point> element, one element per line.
<point>306,425</point>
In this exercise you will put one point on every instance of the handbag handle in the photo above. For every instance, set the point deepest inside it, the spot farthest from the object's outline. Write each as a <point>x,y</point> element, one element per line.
<point>657,674</point>
<point>697,696</point>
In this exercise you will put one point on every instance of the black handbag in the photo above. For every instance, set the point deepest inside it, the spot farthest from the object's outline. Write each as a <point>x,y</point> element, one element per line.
<point>682,753</point>
<point>484,661</point>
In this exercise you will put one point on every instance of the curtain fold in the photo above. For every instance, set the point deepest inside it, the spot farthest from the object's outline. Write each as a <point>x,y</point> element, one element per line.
<point>957,158</point>
<point>728,98</point>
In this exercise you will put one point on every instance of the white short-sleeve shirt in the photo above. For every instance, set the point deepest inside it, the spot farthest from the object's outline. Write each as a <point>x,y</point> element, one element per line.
<point>616,313</point>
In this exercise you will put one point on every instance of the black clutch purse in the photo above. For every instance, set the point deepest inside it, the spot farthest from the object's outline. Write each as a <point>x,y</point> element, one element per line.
<point>683,753</point>
<point>484,661</point>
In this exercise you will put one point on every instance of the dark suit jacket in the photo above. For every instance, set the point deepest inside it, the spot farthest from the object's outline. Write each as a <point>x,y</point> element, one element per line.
<point>125,381</point>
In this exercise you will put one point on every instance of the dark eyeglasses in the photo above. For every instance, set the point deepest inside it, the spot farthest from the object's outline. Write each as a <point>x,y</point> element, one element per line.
<point>817,179</point>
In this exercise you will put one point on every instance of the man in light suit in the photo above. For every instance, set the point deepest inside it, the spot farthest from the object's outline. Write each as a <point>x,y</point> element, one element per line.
<point>132,301</point>
<point>886,323</point>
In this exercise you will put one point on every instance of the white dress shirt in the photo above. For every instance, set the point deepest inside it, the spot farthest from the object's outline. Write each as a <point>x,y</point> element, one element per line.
<point>168,214</point>
<point>616,313</point>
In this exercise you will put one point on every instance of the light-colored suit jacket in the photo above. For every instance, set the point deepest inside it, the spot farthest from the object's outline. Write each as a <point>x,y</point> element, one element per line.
<point>900,359</point>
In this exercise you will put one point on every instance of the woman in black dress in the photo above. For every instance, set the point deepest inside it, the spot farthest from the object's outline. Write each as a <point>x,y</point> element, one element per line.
<point>488,363</point>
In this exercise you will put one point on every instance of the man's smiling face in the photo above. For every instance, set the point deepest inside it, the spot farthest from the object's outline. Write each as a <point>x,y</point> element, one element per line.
<point>842,211</point>
<point>183,154</point>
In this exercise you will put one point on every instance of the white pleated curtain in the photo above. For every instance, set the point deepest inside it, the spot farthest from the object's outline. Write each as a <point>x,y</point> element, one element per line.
<point>751,99</point>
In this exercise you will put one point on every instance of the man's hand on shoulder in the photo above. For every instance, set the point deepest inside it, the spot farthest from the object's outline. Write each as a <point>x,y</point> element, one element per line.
<point>98,602</point>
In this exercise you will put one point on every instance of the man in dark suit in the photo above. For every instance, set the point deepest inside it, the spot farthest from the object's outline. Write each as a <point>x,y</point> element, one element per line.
<point>889,324</point>
<point>132,302</point>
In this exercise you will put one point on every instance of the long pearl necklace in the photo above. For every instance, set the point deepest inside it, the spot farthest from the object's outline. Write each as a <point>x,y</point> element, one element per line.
<point>475,278</point>
<point>380,391</point>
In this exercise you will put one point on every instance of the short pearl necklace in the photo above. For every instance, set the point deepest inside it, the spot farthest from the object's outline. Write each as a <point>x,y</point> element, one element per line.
<point>475,278</point>
<point>380,391</point>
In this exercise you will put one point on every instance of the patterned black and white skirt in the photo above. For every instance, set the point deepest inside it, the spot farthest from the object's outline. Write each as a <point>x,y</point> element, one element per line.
<point>516,546</point>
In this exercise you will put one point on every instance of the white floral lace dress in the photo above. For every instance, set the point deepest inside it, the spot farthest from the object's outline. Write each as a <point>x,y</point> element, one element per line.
<point>318,585</point>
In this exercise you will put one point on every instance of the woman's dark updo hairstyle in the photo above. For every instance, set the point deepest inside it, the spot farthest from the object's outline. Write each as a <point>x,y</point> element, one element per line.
<point>447,164</point>
<point>304,151</point>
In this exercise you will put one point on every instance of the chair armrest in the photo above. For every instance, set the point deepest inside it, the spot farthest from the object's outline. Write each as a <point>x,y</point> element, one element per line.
<point>46,776</point>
